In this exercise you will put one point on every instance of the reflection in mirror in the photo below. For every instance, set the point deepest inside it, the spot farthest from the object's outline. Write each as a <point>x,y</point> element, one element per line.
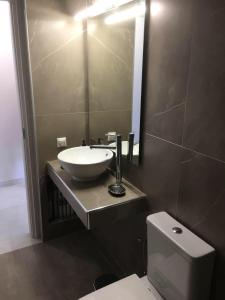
<point>115,37</point>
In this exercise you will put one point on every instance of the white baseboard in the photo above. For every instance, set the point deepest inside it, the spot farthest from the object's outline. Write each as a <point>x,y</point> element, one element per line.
<point>12,182</point>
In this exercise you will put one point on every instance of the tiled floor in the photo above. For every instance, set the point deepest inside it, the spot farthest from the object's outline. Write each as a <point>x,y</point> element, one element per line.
<point>62,269</point>
<point>14,227</point>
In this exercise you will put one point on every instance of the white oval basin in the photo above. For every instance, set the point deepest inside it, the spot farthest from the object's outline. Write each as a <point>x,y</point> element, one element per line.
<point>85,164</point>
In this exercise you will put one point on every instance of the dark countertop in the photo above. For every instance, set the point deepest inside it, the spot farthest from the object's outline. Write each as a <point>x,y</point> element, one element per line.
<point>91,200</point>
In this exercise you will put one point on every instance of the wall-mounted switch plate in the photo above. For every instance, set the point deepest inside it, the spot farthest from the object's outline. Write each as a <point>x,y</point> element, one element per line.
<point>111,136</point>
<point>61,142</point>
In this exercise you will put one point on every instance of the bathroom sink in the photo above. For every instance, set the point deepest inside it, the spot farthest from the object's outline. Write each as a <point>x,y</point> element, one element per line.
<point>85,164</point>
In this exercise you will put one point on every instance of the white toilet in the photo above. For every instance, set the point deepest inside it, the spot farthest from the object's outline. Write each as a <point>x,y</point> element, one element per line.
<point>180,266</point>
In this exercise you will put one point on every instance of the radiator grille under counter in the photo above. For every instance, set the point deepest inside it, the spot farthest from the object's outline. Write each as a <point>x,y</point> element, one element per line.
<point>91,201</point>
<point>57,206</point>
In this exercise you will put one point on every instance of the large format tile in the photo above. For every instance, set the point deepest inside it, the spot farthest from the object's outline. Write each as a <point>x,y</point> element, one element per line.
<point>168,124</point>
<point>110,63</point>
<point>212,229</point>
<point>160,173</point>
<point>103,122</point>
<point>205,122</point>
<point>58,82</point>
<point>62,269</point>
<point>17,241</point>
<point>117,40</point>
<point>110,78</point>
<point>190,187</point>
<point>57,57</point>
<point>201,207</point>
<point>169,51</point>
<point>49,127</point>
<point>129,252</point>
<point>201,190</point>
<point>50,26</point>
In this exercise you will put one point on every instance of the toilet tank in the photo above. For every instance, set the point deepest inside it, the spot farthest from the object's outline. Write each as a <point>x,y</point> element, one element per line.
<point>180,264</point>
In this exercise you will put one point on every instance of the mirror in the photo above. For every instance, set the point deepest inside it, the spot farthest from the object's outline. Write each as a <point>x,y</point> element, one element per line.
<point>115,53</point>
<point>114,39</point>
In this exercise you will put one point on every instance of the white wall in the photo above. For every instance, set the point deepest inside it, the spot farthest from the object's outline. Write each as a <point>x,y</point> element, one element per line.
<point>11,149</point>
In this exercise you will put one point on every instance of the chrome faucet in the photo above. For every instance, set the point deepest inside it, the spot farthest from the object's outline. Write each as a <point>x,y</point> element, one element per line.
<point>116,189</point>
<point>130,147</point>
<point>102,147</point>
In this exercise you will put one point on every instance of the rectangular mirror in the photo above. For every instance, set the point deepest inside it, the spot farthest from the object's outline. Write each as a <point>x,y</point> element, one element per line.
<point>115,38</point>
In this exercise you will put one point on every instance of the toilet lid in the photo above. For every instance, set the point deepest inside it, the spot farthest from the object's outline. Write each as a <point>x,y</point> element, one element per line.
<point>129,288</point>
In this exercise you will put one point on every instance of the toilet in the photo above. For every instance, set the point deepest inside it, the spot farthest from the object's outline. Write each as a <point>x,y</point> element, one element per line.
<point>180,266</point>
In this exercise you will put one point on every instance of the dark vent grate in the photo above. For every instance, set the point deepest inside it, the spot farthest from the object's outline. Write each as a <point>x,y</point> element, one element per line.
<point>58,208</point>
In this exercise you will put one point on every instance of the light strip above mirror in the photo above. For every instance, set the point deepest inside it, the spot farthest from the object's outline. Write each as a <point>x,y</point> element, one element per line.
<point>126,14</point>
<point>98,8</point>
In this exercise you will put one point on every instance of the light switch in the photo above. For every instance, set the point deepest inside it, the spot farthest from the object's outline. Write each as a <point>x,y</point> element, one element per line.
<point>61,142</point>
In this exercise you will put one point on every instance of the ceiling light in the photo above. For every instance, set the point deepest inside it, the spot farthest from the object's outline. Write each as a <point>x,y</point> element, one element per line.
<point>156,8</point>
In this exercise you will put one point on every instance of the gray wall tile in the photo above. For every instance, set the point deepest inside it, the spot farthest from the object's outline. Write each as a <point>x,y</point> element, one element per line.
<point>110,67</point>
<point>58,82</point>
<point>205,122</point>
<point>104,121</point>
<point>183,162</point>
<point>49,127</point>
<point>57,64</point>
<point>169,52</point>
